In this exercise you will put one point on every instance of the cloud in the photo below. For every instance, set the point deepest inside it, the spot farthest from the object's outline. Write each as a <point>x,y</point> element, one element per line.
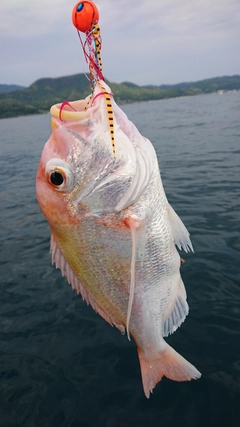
<point>145,41</point>
<point>24,18</point>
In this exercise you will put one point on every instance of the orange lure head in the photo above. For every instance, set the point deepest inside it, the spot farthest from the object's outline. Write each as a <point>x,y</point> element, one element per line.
<point>84,14</point>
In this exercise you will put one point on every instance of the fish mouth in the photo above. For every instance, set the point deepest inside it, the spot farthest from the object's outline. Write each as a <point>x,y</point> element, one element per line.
<point>70,111</point>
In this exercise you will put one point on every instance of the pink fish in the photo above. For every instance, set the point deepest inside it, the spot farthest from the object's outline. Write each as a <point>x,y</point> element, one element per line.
<point>113,232</point>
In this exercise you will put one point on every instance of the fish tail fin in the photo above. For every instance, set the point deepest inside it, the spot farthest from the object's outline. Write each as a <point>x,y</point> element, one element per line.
<point>167,363</point>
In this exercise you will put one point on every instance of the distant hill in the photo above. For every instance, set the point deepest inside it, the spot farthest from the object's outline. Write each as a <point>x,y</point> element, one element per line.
<point>42,94</point>
<point>10,88</point>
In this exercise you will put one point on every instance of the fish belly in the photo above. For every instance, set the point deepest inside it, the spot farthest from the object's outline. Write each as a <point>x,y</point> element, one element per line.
<point>97,264</point>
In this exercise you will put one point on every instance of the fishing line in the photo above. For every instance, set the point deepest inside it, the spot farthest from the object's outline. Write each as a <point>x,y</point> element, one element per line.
<point>85,18</point>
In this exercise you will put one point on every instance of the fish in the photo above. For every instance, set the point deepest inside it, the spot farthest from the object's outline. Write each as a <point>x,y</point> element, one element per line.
<point>114,235</point>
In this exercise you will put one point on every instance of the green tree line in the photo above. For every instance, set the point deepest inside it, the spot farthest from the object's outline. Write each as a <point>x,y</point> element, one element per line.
<point>42,94</point>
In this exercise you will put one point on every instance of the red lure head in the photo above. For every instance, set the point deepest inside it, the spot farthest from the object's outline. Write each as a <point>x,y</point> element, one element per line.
<point>84,14</point>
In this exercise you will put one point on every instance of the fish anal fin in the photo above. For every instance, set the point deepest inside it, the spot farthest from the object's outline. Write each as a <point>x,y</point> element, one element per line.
<point>61,263</point>
<point>180,234</point>
<point>176,313</point>
<point>166,363</point>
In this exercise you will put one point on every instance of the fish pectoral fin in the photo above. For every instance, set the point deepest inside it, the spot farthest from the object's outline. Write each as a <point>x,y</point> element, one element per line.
<point>180,233</point>
<point>176,313</point>
<point>60,262</point>
<point>166,363</point>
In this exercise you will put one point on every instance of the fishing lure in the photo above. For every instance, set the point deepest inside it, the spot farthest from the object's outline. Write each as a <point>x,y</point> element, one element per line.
<point>85,18</point>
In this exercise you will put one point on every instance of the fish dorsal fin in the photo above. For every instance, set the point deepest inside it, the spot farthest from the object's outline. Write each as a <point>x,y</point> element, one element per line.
<point>180,233</point>
<point>137,228</point>
<point>60,262</point>
<point>175,315</point>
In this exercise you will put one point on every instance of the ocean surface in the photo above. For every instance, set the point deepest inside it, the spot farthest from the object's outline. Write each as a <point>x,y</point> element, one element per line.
<point>61,365</point>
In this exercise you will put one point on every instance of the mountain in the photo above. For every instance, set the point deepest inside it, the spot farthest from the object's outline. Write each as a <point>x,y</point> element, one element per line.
<point>207,85</point>
<point>42,94</point>
<point>10,88</point>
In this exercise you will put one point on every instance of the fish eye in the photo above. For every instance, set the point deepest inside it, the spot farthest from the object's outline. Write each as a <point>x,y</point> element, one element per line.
<point>56,178</point>
<point>59,175</point>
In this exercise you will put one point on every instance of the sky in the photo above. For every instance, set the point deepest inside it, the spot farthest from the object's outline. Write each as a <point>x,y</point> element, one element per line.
<point>143,41</point>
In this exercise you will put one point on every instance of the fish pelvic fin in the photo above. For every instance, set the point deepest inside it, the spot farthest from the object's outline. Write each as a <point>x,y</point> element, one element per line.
<point>132,284</point>
<point>137,228</point>
<point>166,363</point>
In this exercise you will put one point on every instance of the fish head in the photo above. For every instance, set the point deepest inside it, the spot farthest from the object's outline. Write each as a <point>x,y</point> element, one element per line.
<point>79,174</point>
